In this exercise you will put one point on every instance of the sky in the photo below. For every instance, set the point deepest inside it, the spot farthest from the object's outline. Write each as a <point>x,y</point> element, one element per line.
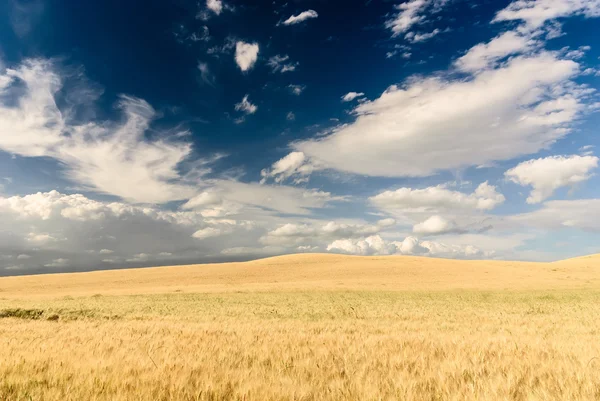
<point>147,133</point>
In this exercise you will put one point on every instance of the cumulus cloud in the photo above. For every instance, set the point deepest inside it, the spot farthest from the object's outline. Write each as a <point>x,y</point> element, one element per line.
<point>546,175</point>
<point>410,246</point>
<point>281,64</point>
<point>435,225</point>
<point>52,231</point>
<point>91,234</point>
<point>216,6</point>
<point>373,245</point>
<point>485,197</point>
<point>350,96</point>
<point>246,55</point>
<point>376,245</point>
<point>303,16</point>
<point>245,106</point>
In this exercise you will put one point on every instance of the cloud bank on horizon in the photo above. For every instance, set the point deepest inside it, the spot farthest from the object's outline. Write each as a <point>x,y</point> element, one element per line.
<point>238,133</point>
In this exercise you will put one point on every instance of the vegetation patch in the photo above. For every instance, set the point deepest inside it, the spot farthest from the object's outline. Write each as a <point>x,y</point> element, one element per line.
<point>20,313</point>
<point>56,314</point>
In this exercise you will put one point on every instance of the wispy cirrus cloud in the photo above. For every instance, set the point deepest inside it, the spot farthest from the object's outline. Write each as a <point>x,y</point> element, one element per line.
<point>108,157</point>
<point>282,64</point>
<point>245,106</point>
<point>303,16</point>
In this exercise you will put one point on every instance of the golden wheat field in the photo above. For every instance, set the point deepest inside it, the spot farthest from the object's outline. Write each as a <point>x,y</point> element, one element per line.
<point>306,327</point>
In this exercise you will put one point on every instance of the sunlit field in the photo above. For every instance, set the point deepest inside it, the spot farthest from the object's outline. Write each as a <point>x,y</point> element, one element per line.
<point>321,335</point>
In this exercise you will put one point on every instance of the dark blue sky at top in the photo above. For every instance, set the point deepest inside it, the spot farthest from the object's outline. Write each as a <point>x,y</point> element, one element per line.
<point>142,48</point>
<point>132,47</point>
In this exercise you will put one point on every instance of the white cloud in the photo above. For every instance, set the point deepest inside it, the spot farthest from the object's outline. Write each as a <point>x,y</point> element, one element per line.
<point>408,15</point>
<point>303,16</point>
<point>23,257</point>
<point>535,13</point>
<point>60,262</point>
<point>421,37</point>
<point>106,157</point>
<point>554,30</point>
<point>546,175</point>
<point>296,89</point>
<point>375,245</point>
<point>246,55</point>
<point>485,197</point>
<point>246,106</point>
<point>234,195</point>
<point>40,238</point>
<point>582,214</point>
<point>577,53</point>
<point>410,246</point>
<point>215,6</point>
<point>50,226</point>
<point>435,225</point>
<point>485,55</point>
<point>314,234</point>
<point>433,124</point>
<point>439,249</point>
<point>140,257</point>
<point>207,233</point>
<point>295,164</point>
<point>281,64</point>
<point>350,96</point>
<point>290,116</point>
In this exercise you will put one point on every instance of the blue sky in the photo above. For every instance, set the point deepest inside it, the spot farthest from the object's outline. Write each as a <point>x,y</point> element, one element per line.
<point>149,133</point>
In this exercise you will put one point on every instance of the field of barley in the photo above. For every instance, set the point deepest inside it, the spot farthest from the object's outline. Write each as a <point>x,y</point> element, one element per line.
<point>306,327</point>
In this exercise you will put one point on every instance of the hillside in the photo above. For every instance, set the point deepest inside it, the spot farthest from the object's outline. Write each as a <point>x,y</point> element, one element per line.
<point>315,271</point>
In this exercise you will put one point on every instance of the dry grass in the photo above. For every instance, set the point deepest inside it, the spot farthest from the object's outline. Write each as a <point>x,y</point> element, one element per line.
<point>474,342</point>
<point>315,272</point>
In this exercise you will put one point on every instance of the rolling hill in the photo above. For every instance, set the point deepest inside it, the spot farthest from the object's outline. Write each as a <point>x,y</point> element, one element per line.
<point>315,271</point>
